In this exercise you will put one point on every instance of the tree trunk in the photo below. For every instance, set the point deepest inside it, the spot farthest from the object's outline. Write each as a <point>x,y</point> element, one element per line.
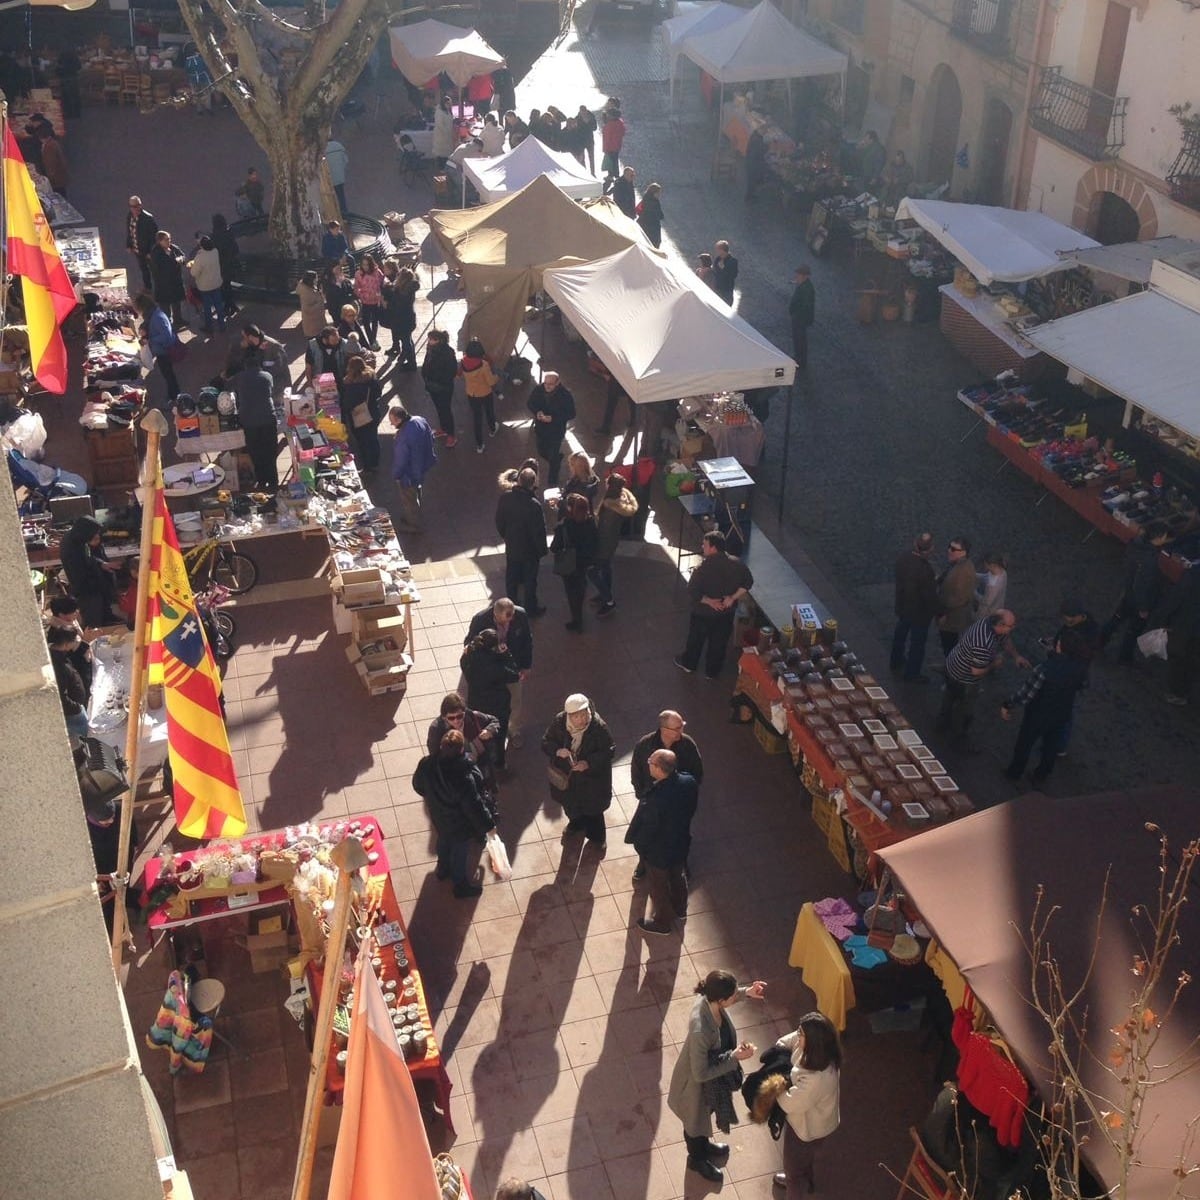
<point>296,220</point>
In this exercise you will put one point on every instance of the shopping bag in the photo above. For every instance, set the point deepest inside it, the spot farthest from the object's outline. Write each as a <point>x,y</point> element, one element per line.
<point>566,561</point>
<point>1153,643</point>
<point>498,856</point>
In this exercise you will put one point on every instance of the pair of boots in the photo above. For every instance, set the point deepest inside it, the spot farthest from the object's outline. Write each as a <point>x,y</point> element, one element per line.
<point>703,1163</point>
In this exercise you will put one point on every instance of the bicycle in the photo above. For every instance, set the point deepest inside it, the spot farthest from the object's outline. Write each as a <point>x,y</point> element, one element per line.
<point>413,165</point>
<point>218,562</point>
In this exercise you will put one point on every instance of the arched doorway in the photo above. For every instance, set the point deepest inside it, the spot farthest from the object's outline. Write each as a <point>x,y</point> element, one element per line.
<point>1113,220</point>
<point>943,128</point>
<point>997,129</point>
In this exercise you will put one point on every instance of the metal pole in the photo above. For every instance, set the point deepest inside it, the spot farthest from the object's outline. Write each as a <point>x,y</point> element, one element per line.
<point>783,459</point>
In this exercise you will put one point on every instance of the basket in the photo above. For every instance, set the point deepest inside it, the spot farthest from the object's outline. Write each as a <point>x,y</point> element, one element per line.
<point>905,950</point>
<point>769,740</point>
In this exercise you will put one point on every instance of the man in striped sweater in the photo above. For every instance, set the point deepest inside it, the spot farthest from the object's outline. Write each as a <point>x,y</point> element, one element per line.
<point>978,652</point>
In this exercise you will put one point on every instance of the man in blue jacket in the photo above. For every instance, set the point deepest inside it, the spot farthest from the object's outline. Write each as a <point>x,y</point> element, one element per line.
<point>661,833</point>
<point>412,457</point>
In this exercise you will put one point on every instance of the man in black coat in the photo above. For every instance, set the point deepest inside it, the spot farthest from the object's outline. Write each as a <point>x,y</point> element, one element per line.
<point>661,833</point>
<point>623,194</point>
<point>553,408</point>
<point>725,272</point>
<point>521,522</point>
<point>512,627</point>
<point>139,237</point>
<point>1141,590</point>
<point>669,735</point>
<point>916,606</point>
<point>714,590</point>
<point>253,387</point>
<point>1180,614</point>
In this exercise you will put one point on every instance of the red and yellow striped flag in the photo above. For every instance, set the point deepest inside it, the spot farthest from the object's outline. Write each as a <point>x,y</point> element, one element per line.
<point>32,254</point>
<point>208,803</point>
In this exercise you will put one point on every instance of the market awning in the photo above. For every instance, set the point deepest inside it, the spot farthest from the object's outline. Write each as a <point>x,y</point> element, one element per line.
<point>700,16</point>
<point>975,883</point>
<point>761,44</point>
<point>1144,348</point>
<point>1134,260</point>
<point>997,244</point>
<point>662,332</point>
<point>495,178</point>
<point>427,48</point>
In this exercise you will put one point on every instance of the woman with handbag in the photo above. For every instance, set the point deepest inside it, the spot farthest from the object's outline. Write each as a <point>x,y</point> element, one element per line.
<point>453,789</point>
<point>574,548</point>
<point>362,410</point>
<point>580,752</point>
<point>811,1101</point>
<point>488,671</point>
<point>708,1070</point>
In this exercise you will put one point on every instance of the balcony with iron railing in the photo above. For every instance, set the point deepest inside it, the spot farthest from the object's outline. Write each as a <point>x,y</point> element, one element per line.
<point>1184,176</point>
<point>1078,117</point>
<point>985,24</point>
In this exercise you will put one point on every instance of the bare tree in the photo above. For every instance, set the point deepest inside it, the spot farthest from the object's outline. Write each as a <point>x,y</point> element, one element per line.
<point>1100,1080</point>
<point>288,101</point>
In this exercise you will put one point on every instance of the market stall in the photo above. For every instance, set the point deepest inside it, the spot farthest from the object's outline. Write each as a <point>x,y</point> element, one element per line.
<point>660,331</point>
<point>696,17</point>
<point>1001,251</point>
<point>495,178</point>
<point>501,249</point>
<point>979,884</point>
<point>761,44</point>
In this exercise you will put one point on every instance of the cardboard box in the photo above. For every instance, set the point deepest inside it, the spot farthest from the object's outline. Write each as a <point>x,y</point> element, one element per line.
<point>367,659</point>
<point>258,943</point>
<point>263,962</point>
<point>343,618</point>
<point>380,621</point>
<point>266,922</point>
<point>360,588</point>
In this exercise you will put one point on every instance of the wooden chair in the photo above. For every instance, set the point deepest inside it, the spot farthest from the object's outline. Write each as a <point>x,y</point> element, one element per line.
<point>145,92</point>
<point>111,92</point>
<point>131,88</point>
<point>723,166</point>
<point>925,1178</point>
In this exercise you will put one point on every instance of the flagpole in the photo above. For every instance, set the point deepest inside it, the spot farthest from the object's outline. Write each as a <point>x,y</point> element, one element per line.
<point>4,237</point>
<point>155,425</point>
<point>349,857</point>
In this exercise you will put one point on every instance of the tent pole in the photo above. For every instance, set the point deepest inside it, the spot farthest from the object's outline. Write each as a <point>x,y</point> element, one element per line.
<point>720,118</point>
<point>783,459</point>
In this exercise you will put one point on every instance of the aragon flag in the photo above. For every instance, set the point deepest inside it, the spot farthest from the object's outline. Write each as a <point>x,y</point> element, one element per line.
<point>208,803</point>
<point>32,254</point>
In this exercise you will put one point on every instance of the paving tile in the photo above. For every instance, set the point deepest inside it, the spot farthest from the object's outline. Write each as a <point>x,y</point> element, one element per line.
<point>260,1074</point>
<point>215,1175</point>
<point>209,1088</point>
<point>266,1169</point>
<point>644,1174</point>
<point>205,1131</point>
<point>517,1155</point>
<point>586,1183</point>
<point>566,1144</point>
<point>258,1121</point>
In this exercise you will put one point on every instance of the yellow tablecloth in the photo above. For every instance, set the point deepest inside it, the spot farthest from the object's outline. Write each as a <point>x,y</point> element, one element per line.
<point>823,966</point>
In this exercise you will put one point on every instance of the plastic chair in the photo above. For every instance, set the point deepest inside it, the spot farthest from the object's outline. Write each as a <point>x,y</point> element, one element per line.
<point>925,1178</point>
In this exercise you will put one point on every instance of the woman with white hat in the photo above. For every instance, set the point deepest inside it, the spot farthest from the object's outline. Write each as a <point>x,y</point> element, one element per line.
<point>580,752</point>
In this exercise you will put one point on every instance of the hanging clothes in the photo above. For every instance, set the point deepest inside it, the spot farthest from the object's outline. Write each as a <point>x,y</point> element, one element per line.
<point>990,1080</point>
<point>187,1041</point>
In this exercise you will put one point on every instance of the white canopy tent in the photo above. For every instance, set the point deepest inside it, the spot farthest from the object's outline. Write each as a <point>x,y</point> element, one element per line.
<point>1145,348</point>
<point>699,16</point>
<point>427,48</point>
<point>660,331</point>
<point>1133,261</point>
<point>761,44</point>
<point>1001,244</point>
<point>495,178</point>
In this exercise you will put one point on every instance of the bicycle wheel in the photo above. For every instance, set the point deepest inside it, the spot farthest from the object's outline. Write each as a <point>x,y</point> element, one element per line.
<point>224,623</point>
<point>233,570</point>
<point>222,648</point>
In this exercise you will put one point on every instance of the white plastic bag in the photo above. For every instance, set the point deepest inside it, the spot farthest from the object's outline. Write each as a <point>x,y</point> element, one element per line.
<point>27,434</point>
<point>498,856</point>
<point>1153,643</point>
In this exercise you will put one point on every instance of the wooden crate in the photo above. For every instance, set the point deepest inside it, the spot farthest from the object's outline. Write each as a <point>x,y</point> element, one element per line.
<point>769,740</point>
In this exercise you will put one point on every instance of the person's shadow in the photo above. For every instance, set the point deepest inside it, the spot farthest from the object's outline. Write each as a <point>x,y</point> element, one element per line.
<point>515,1075</point>
<point>619,1131</point>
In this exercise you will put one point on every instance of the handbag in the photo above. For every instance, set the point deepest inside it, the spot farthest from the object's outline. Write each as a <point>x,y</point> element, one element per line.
<point>559,779</point>
<point>360,415</point>
<point>1153,643</point>
<point>566,561</point>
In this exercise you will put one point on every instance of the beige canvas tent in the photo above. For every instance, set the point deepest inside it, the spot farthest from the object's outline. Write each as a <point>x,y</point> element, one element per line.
<point>501,250</point>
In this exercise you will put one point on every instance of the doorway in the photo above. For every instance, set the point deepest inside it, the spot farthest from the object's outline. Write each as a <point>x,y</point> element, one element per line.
<point>997,129</point>
<point>1113,220</point>
<point>943,127</point>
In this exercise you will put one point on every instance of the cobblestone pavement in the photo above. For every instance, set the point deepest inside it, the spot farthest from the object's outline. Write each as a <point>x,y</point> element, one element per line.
<point>880,448</point>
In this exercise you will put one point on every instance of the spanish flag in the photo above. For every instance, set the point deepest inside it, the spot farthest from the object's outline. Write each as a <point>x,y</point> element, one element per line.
<point>208,803</point>
<point>32,254</point>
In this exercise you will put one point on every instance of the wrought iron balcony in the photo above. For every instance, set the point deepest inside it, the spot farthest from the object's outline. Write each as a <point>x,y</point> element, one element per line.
<point>1079,117</point>
<point>1184,175</point>
<point>986,24</point>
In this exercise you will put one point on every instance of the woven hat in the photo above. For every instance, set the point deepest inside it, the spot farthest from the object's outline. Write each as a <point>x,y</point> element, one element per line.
<point>576,702</point>
<point>906,949</point>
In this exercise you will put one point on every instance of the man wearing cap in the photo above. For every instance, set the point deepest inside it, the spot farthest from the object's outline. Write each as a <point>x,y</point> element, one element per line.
<point>580,752</point>
<point>916,606</point>
<point>669,735</point>
<point>661,833</point>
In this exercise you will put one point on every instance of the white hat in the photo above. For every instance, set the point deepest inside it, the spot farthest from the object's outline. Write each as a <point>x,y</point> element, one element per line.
<point>576,702</point>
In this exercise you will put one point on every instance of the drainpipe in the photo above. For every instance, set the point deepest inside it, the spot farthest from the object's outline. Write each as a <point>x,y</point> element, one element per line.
<point>1042,40</point>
